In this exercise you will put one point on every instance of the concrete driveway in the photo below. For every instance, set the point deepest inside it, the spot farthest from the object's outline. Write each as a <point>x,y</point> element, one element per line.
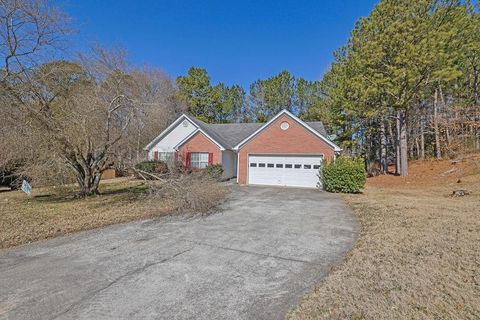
<point>252,260</point>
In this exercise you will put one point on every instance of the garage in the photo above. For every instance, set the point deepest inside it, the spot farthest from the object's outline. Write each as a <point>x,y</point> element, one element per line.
<point>284,170</point>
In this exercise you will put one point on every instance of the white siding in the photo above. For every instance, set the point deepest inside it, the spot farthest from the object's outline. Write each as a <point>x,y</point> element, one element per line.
<point>229,162</point>
<point>171,139</point>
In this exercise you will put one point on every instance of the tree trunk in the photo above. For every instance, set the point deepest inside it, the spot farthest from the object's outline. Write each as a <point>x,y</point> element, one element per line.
<point>89,183</point>
<point>476,95</point>
<point>476,98</point>
<point>447,124</point>
<point>422,139</point>
<point>383,149</point>
<point>438,152</point>
<point>368,153</point>
<point>397,146</point>
<point>88,172</point>
<point>391,135</point>
<point>138,145</point>
<point>417,148</point>
<point>403,143</point>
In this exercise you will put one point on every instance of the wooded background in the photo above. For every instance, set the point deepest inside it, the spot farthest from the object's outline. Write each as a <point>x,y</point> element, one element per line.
<point>404,86</point>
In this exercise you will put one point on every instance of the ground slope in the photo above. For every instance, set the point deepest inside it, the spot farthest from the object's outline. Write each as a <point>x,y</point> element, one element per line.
<point>418,254</point>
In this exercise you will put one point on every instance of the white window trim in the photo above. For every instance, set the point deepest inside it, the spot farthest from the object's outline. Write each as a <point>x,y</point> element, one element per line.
<point>166,155</point>
<point>201,163</point>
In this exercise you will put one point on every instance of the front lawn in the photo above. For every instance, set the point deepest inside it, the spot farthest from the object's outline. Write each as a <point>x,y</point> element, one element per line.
<point>418,253</point>
<point>53,212</point>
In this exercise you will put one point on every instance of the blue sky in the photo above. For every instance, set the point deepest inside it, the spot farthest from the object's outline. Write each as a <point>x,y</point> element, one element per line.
<point>236,41</point>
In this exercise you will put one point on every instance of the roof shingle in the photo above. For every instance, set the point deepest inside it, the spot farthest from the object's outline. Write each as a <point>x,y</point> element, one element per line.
<point>231,134</point>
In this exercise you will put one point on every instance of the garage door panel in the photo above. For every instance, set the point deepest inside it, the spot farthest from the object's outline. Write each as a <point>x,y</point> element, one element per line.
<point>284,170</point>
<point>265,175</point>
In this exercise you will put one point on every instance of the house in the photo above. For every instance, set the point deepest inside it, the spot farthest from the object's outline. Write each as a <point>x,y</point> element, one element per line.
<point>285,151</point>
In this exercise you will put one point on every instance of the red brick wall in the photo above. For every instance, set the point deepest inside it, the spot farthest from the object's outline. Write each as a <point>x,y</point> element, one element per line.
<point>200,143</point>
<point>295,140</point>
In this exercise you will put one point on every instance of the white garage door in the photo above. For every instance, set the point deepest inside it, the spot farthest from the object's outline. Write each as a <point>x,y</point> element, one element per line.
<point>284,170</point>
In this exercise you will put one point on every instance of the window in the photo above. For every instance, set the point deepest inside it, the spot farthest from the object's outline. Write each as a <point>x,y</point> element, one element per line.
<point>261,165</point>
<point>307,166</point>
<point>165,156</point>
<point>254,165</point>
<point>288,166</point>
<point>199,160</point>
<point>298,166</point>
<point>316,166</point>
<point>279,165</point>
<point>270,165</point>
<point>284,125</point>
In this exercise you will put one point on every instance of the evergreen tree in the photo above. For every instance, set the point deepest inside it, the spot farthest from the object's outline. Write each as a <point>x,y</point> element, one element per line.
<point>209,103</point>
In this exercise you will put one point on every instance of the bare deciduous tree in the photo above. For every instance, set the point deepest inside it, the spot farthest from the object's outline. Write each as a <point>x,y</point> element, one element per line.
<point>84,114</point>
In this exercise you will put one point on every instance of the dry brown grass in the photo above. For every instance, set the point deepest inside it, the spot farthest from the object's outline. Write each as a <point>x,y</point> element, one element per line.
<point>54,211</point>
<point>418,253</point>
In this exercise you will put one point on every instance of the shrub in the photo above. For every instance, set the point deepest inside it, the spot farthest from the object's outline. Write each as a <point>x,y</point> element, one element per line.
<point>11,175</point>
<point>344,174</point>
<point>215,171</point>
<point>9,179</point>
<point>159,167</point>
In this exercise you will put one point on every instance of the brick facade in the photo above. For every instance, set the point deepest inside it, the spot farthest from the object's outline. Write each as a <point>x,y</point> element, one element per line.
<point>273,140</point>
<point>199,143</point>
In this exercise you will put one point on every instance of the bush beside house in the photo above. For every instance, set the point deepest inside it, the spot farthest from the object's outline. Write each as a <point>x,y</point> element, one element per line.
<point>215,171</point>
<point>159,167</point>
<point>343,174</point>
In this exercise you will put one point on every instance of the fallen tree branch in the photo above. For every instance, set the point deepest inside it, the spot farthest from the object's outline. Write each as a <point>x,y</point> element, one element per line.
<point>155,177</point>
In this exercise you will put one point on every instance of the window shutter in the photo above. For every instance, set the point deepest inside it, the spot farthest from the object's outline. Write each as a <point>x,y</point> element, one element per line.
<point>210,158</point>
<point>176,157</point>
<point>155,156</point>
<point>187,160</point>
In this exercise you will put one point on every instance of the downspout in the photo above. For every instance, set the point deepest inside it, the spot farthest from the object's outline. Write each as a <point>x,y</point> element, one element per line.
<point>238,163</point>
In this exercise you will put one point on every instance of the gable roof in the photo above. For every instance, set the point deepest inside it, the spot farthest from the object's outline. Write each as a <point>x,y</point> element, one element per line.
<point>208,130</point>
<point>210,134</point>
<point>225,134</point>
<point>197,123</point>
<point>318,126</point>
<point>164,132</point>
<point>233,135</point>
<point>309,126</point>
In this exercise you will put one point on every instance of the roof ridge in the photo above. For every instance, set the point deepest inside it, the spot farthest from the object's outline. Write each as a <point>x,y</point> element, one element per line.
<point>230,134</point>
<point>234,123</point>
